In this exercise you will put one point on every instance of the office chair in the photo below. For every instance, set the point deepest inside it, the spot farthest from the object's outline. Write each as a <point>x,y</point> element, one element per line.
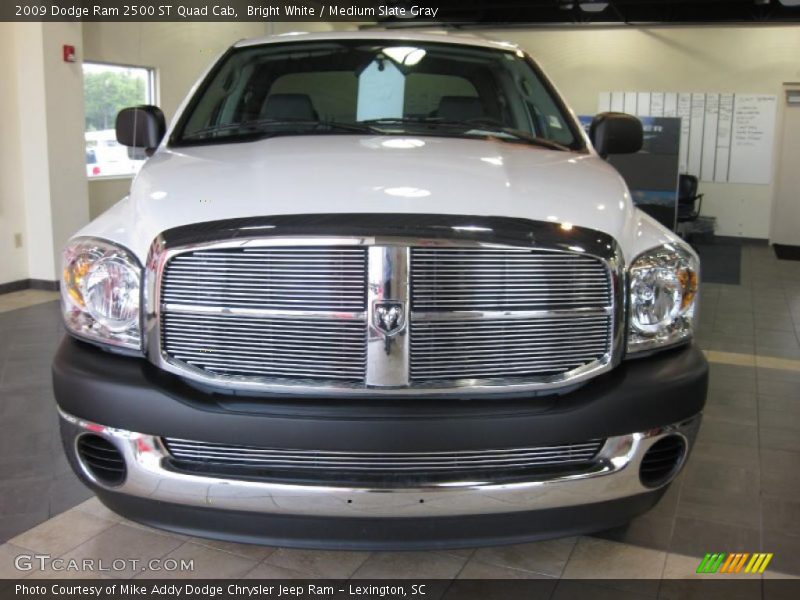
<point>688,198</point>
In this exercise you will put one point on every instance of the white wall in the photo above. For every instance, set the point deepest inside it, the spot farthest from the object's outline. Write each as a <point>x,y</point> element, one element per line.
<point>585,61</point>
<point>14,262</point>
<point>33,143</point>
<point>43,192</point>
<point>64,107</point>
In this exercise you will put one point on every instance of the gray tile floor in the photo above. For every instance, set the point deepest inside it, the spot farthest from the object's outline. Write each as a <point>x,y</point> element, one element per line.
<point>36,482</point>
<point>740,490</point>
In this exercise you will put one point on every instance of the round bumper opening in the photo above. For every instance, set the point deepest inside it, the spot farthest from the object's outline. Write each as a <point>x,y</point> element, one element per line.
<point>662,461</point>
<point>101,460</point>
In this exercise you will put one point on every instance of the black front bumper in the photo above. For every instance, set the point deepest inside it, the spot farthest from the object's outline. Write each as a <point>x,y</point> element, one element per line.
<point>129,394</point>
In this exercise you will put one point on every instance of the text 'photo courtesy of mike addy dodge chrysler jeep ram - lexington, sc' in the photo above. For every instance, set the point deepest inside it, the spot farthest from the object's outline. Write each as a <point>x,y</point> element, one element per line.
<point>378,290</point>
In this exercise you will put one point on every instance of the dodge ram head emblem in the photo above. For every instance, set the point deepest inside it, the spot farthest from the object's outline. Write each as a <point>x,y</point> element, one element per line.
<point>389,317</point>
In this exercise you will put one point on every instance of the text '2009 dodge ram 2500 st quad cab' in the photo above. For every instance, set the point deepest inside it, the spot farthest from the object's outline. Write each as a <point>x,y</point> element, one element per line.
<point>378,290</point>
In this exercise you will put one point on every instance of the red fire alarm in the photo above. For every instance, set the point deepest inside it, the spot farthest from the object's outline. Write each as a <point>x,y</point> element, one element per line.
<point>69,54</point>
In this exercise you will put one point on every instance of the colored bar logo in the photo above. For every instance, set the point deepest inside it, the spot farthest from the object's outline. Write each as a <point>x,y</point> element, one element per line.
<point>721,562</point>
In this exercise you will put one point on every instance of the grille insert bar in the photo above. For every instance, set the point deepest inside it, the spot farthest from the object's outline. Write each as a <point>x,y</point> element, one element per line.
<point>535,314</point>
<point>267,313</point>
<point>267,348</point>
<point>506,347</point>
<point>506,279</point>
<point>565,455</point>
<point>312,278</point>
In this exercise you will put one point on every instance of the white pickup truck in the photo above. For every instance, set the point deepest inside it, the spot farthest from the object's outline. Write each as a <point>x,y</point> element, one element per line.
<point>378,290</point>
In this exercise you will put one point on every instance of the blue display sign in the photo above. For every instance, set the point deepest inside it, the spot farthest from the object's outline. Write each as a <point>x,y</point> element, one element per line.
<point>652,173</point>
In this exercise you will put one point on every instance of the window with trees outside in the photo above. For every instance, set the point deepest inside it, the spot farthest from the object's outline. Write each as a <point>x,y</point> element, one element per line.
<point>107,89</point>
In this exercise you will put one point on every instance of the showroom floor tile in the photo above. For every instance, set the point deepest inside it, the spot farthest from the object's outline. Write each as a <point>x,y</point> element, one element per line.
<point>25,298</point>
<point>36,482</point>
<point>739,491</point>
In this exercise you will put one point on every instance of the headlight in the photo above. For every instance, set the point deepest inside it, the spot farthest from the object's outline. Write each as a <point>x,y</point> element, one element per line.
<point>100,293</point>
<point>663,297</point>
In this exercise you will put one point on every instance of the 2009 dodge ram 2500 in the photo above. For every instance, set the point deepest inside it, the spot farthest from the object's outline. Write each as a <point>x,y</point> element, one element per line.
<point>378,290</point>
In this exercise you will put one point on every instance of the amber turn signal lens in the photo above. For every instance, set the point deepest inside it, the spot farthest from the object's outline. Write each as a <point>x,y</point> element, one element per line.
<point>688,279</point>
<point>73,277</point>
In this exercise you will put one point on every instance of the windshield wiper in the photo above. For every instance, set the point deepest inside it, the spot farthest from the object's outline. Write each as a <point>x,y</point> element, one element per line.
<point>401,120</point>
<point>485,125</point>
<point>262,125</point>
<point>491,125</point>
<point>260,128</point>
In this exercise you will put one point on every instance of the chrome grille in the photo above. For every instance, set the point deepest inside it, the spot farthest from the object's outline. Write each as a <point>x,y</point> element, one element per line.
<point>526,307</point>
<point>563,455</point>
<point>298,314</point>
<point>259,347</point>
<point>325,279</point>
<point>506,279</point>
<point>267,313</point>
<point>505,347</point>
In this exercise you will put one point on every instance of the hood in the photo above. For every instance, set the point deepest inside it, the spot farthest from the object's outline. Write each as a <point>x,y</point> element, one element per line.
<point>367,174</point>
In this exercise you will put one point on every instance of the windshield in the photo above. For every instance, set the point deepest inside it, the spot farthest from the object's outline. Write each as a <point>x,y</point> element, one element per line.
<point>357,86</point>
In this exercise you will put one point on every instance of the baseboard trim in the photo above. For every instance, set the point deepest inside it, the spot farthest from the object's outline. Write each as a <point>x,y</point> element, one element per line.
<point>786,251</point>
<point>43,284</point>
<point>28,284</point>
<point>14,286</point>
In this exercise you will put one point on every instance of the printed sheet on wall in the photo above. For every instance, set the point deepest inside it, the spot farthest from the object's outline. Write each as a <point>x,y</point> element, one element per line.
<point>724,137</point>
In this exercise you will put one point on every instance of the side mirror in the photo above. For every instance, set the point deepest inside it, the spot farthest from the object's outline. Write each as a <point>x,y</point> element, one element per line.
<point>141,127</point>
<point>616,133</point>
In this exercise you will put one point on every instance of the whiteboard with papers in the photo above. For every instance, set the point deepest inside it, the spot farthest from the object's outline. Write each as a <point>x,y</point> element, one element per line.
<point>726,138</point>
